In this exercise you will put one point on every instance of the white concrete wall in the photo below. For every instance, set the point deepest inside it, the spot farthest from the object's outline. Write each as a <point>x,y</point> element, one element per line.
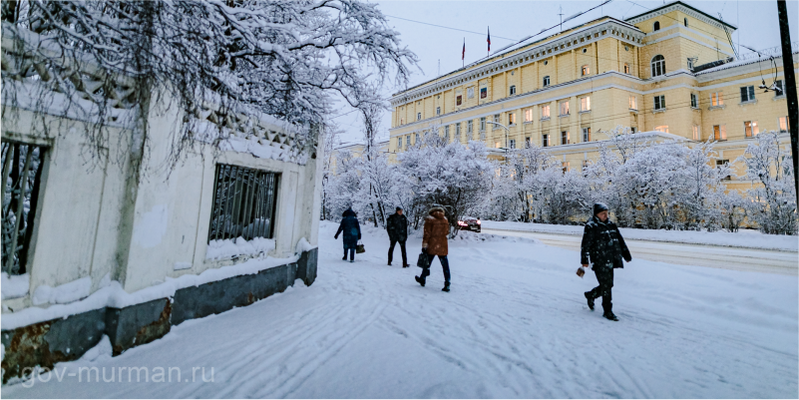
<point>81,229</point>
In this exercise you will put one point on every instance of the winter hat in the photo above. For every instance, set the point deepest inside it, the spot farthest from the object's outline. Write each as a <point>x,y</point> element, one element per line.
<point>399,208</point>
<point>599,207</point>
<point>436,208</point>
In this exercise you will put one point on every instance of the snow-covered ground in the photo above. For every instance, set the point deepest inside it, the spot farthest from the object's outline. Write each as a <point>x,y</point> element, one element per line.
<point>515,325</point>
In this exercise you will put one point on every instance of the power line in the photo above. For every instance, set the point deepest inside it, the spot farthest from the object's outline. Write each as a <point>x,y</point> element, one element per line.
<point>445,27</point>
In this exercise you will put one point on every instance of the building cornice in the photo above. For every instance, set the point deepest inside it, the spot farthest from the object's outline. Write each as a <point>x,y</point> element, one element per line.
<point>588,35</point>
<point>684,8</point>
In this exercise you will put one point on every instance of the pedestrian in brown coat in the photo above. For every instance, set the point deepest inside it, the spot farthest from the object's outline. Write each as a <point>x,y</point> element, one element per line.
<point>434,243</point>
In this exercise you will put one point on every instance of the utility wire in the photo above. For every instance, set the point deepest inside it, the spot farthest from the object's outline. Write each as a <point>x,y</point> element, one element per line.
<point>446,27</point>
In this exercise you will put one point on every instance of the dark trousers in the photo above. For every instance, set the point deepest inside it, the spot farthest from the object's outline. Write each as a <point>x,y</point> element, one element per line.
<point>444,265</point>
<point>604,275</point>
<point>352,253</point>
<point>402,250</point>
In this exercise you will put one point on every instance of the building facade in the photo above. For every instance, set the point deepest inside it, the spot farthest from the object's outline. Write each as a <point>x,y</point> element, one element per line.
<point>671,70</point>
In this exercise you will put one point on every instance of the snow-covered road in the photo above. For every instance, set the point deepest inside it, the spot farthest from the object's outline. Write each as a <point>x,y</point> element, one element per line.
<point>514,326</point>
<point>741,259</point>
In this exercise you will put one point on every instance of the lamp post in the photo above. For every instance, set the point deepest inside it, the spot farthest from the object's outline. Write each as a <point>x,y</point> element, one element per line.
<point>507,132</point>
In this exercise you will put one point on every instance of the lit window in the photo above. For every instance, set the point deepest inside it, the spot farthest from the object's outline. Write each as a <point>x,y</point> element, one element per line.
<point>545,140</point>
<point>719,132</point>
<point>511,118</point>
<point>751,129</point>
<point>546,81</point>
<point>658,65</point>
<point>662,128</point>
<point>512,90</point>
<point>747,94</point>
<point>694,101</point>
<point>458,100</point>
<point>716,99</point>
<point>586,134</point>
<point>545,112</point>
<point>695,132</point>
<point>627,68</point>
<point>585,70</point>
<point>585,104</point>
<point>660,103</point>
<point>565,166</point>
<point>528,115</point>
<point>564,108</point>
<point>633,103</point>
<point>783,121</point>
<point>564,137</point>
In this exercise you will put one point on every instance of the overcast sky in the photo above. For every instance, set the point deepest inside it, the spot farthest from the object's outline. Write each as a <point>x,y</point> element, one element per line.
<point>511,21</point>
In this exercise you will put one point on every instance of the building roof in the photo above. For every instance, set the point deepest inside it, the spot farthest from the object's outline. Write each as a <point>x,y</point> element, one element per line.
<point>519,46</point>
<point>680,3</point>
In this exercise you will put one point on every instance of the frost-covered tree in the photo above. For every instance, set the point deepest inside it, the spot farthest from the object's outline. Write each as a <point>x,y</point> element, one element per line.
<point>281,58</point>
<point>702,205</point>
<point>769,167</point>
<point>455,176</point>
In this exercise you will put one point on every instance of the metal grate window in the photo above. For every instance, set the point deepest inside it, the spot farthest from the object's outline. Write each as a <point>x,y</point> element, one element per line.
<point>244,203</point>
<point>22,173</point>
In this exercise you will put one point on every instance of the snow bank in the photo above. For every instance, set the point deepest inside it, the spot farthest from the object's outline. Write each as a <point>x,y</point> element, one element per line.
<point>303,245</point>
<point>744,238</point>
<point>115,296</point>
<point>14,286</point>
<point>228,248</point>
<point>63,294</point>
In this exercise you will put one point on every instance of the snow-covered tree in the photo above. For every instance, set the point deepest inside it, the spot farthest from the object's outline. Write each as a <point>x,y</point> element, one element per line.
<point>281,58</point>
<point>455,176</point>
<point>701,206</point>
<point>773,205</point>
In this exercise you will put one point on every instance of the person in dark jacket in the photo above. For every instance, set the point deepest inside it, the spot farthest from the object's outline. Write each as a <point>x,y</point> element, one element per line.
<point>434,243</point>
<point>603,245</point>
<point>397,227</point>
<point>352,233</point>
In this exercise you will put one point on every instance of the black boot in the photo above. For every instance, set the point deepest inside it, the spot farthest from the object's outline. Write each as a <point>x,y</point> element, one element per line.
<point>446,287</point>
<point>590,300</point>
<point>420,280</point>
<point>609,315</point>
<point>344,258</point>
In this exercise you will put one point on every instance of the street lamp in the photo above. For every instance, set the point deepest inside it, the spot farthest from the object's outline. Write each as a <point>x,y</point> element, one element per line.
<point>507,132</point>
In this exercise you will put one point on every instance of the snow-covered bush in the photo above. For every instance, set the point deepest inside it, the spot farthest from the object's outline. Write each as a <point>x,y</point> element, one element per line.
<point>773,201</point>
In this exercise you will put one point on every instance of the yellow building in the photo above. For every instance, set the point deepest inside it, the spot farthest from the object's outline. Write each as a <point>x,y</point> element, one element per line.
<point>671,69</point>
<point>355,149</point>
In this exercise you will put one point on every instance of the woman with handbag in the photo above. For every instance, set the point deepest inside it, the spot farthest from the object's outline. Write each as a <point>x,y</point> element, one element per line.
<point>352,233</point>
<point>434,243</point>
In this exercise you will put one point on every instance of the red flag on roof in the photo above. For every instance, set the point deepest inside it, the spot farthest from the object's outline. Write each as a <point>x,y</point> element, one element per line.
<point>488,39</point>
<point>463,53</point>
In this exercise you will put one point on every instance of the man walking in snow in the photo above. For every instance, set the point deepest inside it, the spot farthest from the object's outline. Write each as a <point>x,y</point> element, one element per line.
<point>397,227</point>
<point>603,245</point>
<point>352,233</point>
<point>434,243</point>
